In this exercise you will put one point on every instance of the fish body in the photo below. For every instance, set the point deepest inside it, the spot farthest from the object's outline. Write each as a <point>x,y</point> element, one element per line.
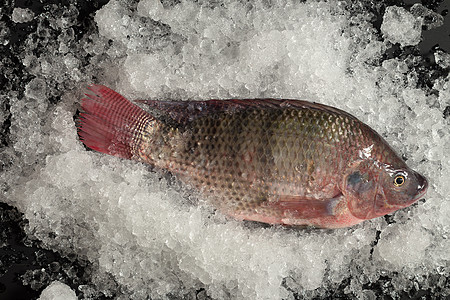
<point>274,161</point>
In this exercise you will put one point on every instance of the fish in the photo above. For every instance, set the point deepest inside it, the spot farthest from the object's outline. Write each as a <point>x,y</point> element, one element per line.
<point>275,161</point>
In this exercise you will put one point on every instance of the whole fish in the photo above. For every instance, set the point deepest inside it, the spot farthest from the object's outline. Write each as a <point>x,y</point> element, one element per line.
<point>274,161</point>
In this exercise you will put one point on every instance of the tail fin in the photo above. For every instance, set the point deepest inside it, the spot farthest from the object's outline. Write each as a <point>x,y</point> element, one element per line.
<point>110,122</point>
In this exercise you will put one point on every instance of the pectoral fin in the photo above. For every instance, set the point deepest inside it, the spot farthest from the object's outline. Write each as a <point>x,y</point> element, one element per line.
<point>306,208</point>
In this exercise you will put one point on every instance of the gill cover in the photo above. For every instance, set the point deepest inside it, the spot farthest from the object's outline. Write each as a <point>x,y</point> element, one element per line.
<point>365,194</point>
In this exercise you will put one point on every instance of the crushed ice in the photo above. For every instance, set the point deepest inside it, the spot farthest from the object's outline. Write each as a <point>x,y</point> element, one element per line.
<point>58,291</point>
<point>131,222</point>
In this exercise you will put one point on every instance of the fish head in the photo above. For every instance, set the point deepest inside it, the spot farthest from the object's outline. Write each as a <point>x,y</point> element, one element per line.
<point>401,188</point>
<point>375,192</point>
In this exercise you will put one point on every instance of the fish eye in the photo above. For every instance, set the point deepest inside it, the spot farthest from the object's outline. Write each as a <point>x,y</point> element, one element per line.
<point>399,180</point>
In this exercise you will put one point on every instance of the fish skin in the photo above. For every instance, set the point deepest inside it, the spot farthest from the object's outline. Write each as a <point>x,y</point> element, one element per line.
<point>275,161</point>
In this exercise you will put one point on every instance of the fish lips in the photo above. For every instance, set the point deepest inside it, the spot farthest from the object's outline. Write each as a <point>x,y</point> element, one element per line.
<point>422,187</point>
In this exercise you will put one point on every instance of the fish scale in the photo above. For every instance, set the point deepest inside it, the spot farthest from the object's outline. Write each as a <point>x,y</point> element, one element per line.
<point>275,161</point>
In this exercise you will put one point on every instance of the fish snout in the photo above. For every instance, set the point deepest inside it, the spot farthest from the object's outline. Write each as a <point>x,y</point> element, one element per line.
<point>422,185</point>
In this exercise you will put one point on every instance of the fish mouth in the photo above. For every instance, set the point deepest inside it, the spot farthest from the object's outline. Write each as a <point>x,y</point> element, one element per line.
<point>422,187</point>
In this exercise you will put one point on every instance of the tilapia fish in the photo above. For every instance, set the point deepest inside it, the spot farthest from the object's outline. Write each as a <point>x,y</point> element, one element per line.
<point>274,161</point>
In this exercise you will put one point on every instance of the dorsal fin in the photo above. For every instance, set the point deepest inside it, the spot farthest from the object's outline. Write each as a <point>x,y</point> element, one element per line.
<point>186,111</point>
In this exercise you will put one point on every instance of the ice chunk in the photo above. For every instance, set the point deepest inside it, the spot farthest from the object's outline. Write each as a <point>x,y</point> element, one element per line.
<point>442,59</point>
<point>58,291</point>
<point>153,9</point>
<point>36,89</point>
<point>403,248</point>
<point>428,18</point>
<point>22,15</point>
<point>400,26</point>
<point>4,34</point>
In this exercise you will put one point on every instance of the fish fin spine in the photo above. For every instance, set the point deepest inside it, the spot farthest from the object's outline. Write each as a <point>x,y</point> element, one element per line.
<point>110,123</point>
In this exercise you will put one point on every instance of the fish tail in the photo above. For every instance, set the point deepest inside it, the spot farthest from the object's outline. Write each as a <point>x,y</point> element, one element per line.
<point>109,122</point>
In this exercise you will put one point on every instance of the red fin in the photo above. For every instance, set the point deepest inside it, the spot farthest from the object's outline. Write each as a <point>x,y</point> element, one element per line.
<point>305,208</point>
<point>109,121</point>
<point>184,111</point>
